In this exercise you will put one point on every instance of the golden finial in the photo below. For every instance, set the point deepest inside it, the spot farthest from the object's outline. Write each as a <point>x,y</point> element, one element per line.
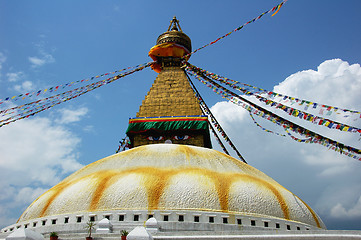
<point>175,23</point>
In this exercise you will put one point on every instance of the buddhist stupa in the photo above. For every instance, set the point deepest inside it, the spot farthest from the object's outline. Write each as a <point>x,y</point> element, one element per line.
<point>170,174</point>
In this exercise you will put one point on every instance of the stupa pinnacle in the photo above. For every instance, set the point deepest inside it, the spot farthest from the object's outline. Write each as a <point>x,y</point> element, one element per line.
<point>170,111</point>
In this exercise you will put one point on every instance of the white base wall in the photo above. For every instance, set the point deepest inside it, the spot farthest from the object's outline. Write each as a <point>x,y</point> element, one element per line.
<point>169,221</point>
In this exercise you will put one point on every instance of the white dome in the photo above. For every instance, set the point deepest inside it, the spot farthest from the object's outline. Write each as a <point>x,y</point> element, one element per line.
<point>171,177</point>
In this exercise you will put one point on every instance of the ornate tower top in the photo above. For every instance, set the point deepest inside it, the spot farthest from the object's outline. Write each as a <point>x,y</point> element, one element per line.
<point>170,112</point>
<point>175,36</point>
<point>171,47</point>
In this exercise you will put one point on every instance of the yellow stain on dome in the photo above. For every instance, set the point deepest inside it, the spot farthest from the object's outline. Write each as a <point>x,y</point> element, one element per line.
<point>55,191</point>
<point>222,183</point>
<point>156,180</point>
<point>104,180</point>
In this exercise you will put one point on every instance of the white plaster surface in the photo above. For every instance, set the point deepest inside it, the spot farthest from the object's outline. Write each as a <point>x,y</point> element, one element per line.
<point>190,190</point>
<point>129,190</point>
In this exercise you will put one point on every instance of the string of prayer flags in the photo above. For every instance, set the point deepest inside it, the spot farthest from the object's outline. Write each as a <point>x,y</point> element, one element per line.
<point>274,9</point>
<point>250,90</point>
<point>289,110</point>
<point>38,106</point>
<point>308,140</point>
<point>274,118</point>
<point>248,108</point>
<point>215,123</point>
<point>264,129</point>
<point>204,111</point>
<point>316,138</point>
<point>62,86</point>
<point>219,140</point>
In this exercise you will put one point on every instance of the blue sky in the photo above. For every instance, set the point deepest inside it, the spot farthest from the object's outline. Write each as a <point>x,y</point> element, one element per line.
<point>48,43</point>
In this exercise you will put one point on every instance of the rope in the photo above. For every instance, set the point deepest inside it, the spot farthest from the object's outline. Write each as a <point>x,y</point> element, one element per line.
<point>215,122</point>
<point>62,86</point>
<point>275,9</point>
<point>215,134</point>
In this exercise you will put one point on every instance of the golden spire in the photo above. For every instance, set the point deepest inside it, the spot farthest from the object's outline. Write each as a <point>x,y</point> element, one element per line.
<point>170,96</point>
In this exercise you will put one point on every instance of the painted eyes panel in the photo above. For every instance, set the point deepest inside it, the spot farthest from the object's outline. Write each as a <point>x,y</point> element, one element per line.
<point>176,137</point>
<point>181,137</point>
<point>155,138</point>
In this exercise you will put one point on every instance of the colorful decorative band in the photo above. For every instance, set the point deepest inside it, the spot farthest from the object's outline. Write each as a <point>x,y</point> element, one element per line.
<point>138,125</point>
<point>166,50</point>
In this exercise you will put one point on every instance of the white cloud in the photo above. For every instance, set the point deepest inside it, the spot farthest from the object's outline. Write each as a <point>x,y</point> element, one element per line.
<point>37,142</point>
<point>232,111</point>
<point>323,178</point>
<point>24,195</point>
<point>36,61</point>
<point>334,83</point>
<point>25,86</point>
<point>70,116</point>
<point>40,61</point>
<point>15,201</point>
<point>35,155</point>
<point>14,77</point>
<point>43,57</point>
<point>339,211</point>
